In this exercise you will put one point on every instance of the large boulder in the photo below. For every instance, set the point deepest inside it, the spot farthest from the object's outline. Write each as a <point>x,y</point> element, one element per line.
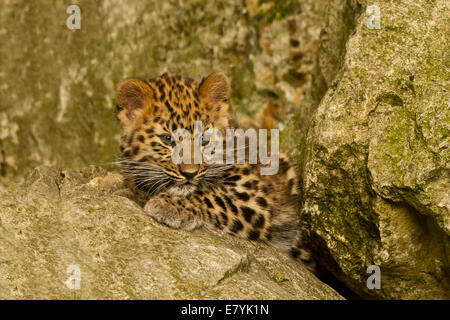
<point>64,235</point>
<point>375,161</point>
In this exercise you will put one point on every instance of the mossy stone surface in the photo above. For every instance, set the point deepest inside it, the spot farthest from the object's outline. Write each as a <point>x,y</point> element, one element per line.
<point>375,160</point>
<point>57,85</point>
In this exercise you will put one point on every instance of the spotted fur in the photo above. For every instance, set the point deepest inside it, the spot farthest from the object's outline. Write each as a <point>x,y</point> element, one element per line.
<point>234,198</point>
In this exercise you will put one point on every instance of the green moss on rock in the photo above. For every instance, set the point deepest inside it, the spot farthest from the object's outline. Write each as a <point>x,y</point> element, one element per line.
<point>375,160</point>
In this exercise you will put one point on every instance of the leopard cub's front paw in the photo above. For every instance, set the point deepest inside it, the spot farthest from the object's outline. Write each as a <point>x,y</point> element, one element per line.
<point>167,213</point>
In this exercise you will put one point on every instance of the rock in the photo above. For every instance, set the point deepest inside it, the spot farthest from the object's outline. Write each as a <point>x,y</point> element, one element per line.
<point>375,161</point>
<point>61,224</point>
<point>57,85</point>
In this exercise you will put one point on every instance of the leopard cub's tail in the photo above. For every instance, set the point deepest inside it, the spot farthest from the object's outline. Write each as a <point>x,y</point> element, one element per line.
<point>300,251</point>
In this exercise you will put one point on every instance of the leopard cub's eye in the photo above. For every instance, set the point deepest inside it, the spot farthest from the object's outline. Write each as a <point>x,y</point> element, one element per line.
<point>205,140</point>
<point>167,139</point>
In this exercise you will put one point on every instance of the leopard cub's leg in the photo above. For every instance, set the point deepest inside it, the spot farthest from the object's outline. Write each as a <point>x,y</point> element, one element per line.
<point>173,211</point>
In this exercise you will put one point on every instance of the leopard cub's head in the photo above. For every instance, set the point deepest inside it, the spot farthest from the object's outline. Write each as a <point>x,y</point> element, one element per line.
<point>150,111</point>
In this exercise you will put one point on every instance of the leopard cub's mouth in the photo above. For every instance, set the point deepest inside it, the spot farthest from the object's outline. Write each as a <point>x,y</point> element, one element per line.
<point>182,190</point>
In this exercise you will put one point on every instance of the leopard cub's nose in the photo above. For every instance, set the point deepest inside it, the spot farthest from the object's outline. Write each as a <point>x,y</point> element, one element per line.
<point>188,175</point>
<point>189,171</point>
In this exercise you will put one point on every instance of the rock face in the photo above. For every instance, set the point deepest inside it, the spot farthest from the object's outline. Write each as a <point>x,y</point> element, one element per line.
<point>63,235</point>
<point>375,162</point>
<point>57,85</point>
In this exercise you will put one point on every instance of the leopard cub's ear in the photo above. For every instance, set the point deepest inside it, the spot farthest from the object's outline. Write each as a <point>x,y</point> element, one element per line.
<point>215,88</point>
<point>133,97</point>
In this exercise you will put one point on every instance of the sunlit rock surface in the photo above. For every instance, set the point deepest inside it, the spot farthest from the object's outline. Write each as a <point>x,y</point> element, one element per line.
<point>61,224</point>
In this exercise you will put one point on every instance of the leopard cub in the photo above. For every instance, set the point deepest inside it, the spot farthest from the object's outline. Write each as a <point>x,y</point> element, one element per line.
<point>235,198</point>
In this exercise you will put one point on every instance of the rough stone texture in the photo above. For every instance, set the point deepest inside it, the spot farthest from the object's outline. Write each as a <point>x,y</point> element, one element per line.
<point>375,162</point>
<point>57,85</point>
<point>58,218</point>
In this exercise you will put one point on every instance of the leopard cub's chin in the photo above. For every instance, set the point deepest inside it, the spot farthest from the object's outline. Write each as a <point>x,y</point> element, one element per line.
<point>183,190</point>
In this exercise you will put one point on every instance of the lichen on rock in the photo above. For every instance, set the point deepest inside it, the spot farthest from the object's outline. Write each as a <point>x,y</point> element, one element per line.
<point>57,85</point>
<point>375,160</point>
<point>58,221</point>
